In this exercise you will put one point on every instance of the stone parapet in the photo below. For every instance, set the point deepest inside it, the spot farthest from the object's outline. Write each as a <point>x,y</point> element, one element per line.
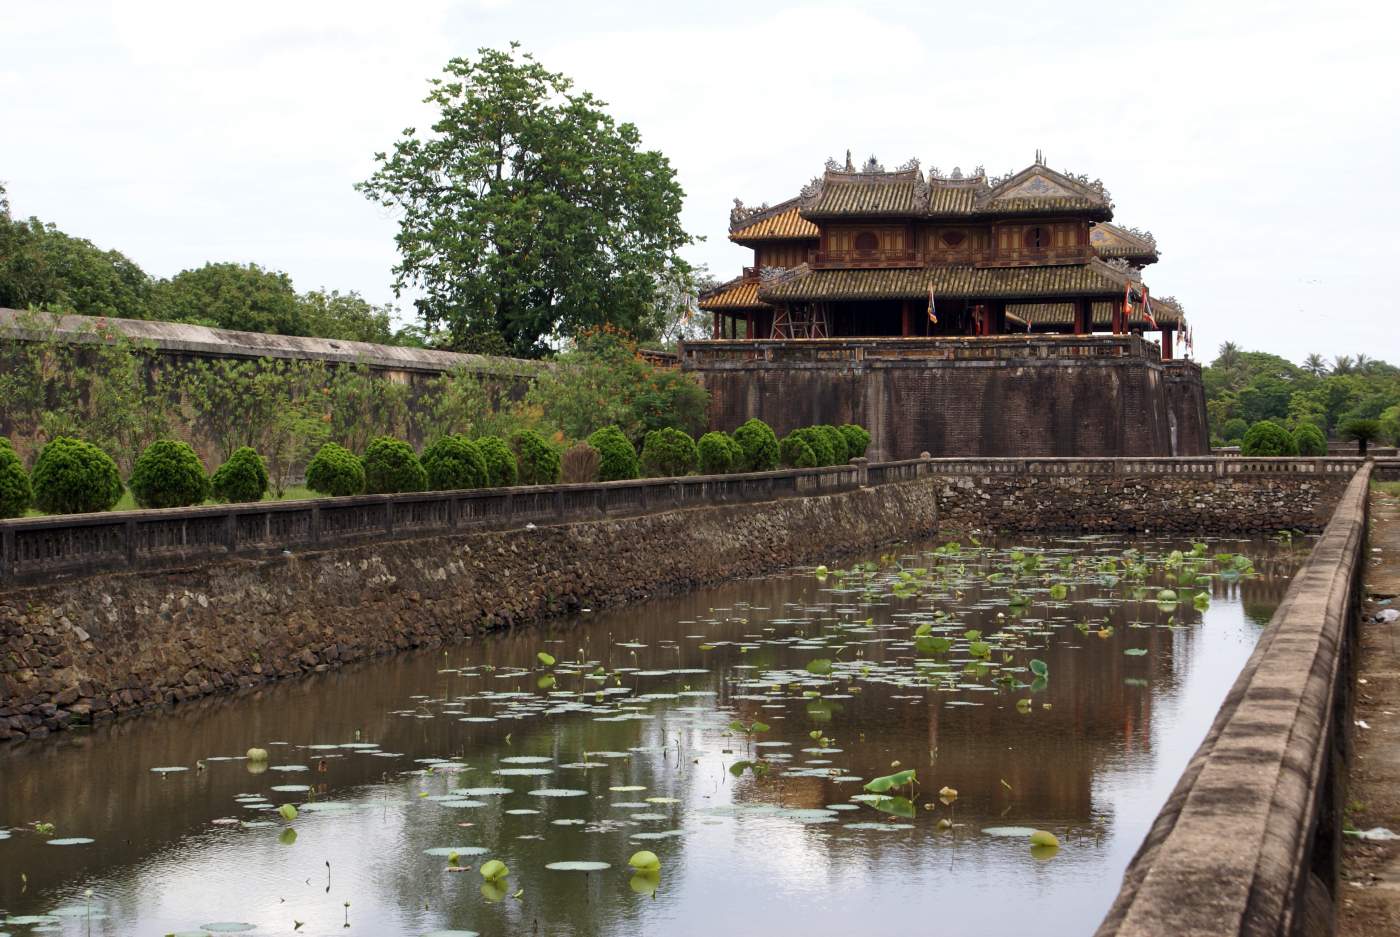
<point>1248,842</point>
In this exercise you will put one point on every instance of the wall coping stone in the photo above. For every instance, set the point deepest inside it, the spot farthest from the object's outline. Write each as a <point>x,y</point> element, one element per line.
<point>177,337</point>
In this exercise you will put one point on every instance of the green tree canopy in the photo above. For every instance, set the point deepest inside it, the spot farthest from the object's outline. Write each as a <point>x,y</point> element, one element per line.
<point>43,268</point>
<point>528,213</point>
<point>233,296</point>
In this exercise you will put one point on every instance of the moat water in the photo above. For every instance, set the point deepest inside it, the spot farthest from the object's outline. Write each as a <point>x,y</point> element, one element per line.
<point>627,743</point>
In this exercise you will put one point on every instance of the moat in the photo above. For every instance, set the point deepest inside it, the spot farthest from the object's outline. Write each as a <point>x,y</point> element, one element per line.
<point>1040,684</point>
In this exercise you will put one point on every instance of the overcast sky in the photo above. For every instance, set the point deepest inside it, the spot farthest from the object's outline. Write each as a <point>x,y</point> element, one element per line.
<point>1257,141</point>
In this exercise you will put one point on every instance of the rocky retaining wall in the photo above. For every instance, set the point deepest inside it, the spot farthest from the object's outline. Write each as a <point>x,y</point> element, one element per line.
<point>1249,840</point>
<point>1125,503</point>
<point>115,643</point>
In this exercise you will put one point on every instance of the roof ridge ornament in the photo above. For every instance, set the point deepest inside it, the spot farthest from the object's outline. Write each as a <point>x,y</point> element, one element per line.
<point>741,213</point>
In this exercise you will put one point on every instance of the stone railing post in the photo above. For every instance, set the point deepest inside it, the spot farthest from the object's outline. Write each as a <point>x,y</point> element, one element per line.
<point>862,467</point>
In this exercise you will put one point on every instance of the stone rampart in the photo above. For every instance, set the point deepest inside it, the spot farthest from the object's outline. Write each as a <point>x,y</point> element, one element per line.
<point>1248,842</point>
<point>114,643</point>
<point>1012,395</point>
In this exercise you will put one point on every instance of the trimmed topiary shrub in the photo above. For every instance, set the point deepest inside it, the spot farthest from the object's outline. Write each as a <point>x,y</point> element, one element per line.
<point>391,466</point>
<point>616,454</point>
<point>667,453</point>
<point>857,440</point>
<point>15,492</point>
<point>718,453</point>
<point>536,459</point>
<point>821,445</point>
<point>759,444</point>
<point>500,461</point>
<point>835,441</point>
<point>168,474</point>
<point>1267,438</point>
<point>581,462</point>
<point>454,462</point>
<point>75,477</point>
<point>334,470</point>
<point>1233,430</point>
<point>796,451</point>
<point>242,478</point>
<point>1308,440</point>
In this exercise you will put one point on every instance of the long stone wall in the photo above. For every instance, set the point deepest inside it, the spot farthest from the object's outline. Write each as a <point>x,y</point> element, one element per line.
<point>1248,843</point>
<point>116,643</point>
<point>1183,503</point>
<point>1084,396</point>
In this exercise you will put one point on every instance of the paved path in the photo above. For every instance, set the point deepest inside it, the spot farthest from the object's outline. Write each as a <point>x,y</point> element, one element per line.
<point>1370,889</point>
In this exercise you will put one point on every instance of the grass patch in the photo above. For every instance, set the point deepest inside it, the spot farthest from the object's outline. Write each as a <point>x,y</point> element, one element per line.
<point>127,502</point>
<point>1387,488</point>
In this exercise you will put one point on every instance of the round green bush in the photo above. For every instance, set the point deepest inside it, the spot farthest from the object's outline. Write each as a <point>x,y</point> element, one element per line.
<point>500,461</point>
<point>335,471</point>
<point>857,440</point>
<point>616,454</point>
<point>719,454</point>
<point>537,460</point>
<point>796,451</point>
<point>667,453</point>
<point>242,478</point>
<point>759,444</point>
<point>168,474</point>
<point>820,443</point>
<point>391,466</point>
<point>1308,440</point>
<point>835,441</point>
<point>454,462</point>
<point>75,477</point>
<point>15,492</point>
<point>1233,430</point>
<point>1267,438</point>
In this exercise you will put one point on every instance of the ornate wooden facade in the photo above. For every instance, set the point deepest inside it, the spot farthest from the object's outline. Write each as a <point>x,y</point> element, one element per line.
<point>870,253</point>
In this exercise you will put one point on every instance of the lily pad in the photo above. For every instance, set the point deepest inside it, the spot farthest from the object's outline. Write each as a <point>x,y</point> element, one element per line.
<point>459,850</point>
<point>71,841</point>
<point>578,866</point>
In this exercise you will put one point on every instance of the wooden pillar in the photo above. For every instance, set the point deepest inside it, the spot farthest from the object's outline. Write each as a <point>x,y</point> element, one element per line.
<point>714,329</point>
<point>1166,344</point>
<point>748,325</point>
<point>1083,317</point>
<point>906,326</point>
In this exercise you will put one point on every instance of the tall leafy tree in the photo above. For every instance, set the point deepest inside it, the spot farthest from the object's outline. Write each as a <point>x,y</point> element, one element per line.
<point>1315,364</point>
<point>233,296</point>
<point>528,213</point>
<point>43,268</point>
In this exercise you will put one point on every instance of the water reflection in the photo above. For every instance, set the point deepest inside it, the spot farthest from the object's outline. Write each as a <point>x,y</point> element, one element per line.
<point>1090,758</point>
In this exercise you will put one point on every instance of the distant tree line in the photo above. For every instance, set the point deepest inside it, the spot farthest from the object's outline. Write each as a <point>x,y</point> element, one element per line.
<point>1348,398</point>
<point>44,268</point>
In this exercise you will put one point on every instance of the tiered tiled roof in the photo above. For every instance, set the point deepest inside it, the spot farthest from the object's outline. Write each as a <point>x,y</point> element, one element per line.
<point>1134,246</point>
<point>803,284</point>
<point>1164,311</point>
<point>781,222</point>
<point>906,193</point>
<point>738,295</point>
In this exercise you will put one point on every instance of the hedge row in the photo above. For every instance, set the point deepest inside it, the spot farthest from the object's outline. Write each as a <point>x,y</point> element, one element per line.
<point>72,476</point>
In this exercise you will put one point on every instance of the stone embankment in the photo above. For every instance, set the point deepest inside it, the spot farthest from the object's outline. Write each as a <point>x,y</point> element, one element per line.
<point>1187,503</point>
<point>109,644</point>
<point>1248,842</point>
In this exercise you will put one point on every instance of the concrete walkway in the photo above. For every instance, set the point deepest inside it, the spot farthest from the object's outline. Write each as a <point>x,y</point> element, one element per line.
<point>1370,888</point>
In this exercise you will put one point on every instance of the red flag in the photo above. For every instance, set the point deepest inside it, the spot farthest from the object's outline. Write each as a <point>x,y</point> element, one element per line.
<point>1147,308</point>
